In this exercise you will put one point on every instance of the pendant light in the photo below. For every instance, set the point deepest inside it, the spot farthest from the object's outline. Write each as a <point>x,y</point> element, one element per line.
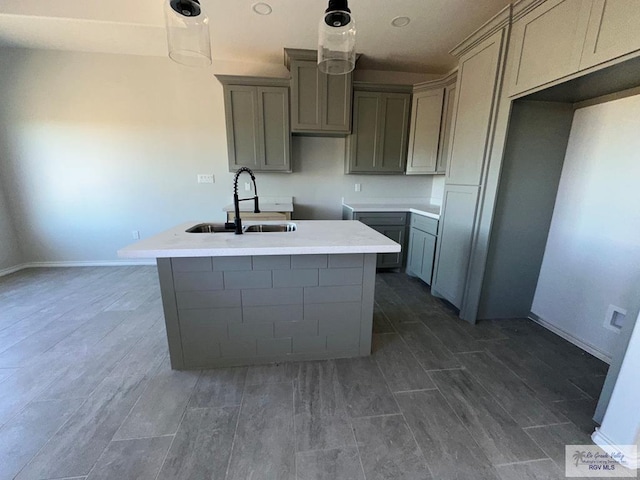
<point>337,39</point>
<point>187,33</point>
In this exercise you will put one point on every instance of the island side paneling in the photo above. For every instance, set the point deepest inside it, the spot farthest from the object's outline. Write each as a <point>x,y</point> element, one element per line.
<point>225,311</point>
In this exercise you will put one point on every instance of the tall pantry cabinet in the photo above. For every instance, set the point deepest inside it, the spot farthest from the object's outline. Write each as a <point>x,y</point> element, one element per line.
<point>480,71</point>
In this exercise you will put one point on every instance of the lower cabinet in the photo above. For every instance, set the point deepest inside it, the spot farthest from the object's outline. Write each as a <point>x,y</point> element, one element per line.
<point>455,239</point>
<point>422,247</point>
<point>397,233</point>
<point>392,225</point>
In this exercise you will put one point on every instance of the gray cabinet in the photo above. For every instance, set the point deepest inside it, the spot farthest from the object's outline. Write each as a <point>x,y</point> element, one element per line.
<point>445,129</point>
<point>378,143</point>
<point>422,247</point>
<point>559,38</point>
<point>477,90</point>
<point>257,121</point>
<point>548,43</point>
<point>480,73</point>
<point>392,225</point>
<point>612,31</point>
<point>430,132</point>
<point>454,245</point>
<point>320,103</point>
<point>397,233</point>
<point>424,138</point>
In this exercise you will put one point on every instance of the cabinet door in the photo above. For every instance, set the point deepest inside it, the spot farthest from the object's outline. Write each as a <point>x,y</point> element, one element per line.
<point>477,85</point>
<point>274,136</point>
<point>454,245</point>
<point>363,142</point>
<point>424,137</point>
<point>428,254</point>
<point>397,234</point>
<point>612,31</point>
<point>337,92</point>
<point>306,114</point>
<point>416,251</point>
<point>547,43</point>
<point>393,132</point>
<point>445,132</point>
<point>422,249</point>
<point>241,111</point>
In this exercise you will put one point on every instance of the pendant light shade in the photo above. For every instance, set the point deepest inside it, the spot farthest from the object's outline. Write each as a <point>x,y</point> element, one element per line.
<point>337,39</point>
<point>187,33</point>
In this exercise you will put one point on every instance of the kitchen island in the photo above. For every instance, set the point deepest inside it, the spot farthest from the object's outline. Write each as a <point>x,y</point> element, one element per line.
<point>266,297</point>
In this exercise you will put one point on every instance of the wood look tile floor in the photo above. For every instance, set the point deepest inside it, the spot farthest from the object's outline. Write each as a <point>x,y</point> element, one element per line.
<point>86,392</point>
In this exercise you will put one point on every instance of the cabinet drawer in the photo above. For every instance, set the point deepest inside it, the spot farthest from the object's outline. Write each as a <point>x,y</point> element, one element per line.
<point>426,224</point>
<point>382,218</point>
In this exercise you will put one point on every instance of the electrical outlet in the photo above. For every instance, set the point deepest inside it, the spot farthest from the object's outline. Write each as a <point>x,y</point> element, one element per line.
<point>358,187</point>
<point>247,186</point>
<point>135,234</point>
<point>206,178</point>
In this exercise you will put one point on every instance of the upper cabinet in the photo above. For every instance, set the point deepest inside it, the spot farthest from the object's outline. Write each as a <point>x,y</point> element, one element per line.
<point>548,43</point>
<point>424,138</point>
<point>378,143</point>
<point>320,103</point>
<point>445,129</point>
<point>477,89</point>
<point>257,120</point>
<point>612,31</point>
<point>431,112</point>
<point>559,38</point>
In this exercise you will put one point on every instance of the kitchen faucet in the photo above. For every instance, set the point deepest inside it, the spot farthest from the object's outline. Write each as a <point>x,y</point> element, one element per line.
<point>237,223</point>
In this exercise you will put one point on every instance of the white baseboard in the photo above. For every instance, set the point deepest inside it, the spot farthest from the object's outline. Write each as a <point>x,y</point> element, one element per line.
<point>15,268</point>
<point>610,447</point>
<point>92,263</point>
<point>596,352</point>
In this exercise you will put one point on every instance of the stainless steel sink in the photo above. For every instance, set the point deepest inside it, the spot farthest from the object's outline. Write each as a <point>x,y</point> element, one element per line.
<point>210,228</point>
<point>263,228</point>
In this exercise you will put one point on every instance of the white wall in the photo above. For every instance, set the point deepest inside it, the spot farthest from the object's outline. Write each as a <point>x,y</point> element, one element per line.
<point>98,145</point>
<point>592,258</point>
<point>621,423</point>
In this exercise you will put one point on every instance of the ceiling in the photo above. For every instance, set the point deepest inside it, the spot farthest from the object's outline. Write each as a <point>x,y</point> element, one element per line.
<point>238,34</point>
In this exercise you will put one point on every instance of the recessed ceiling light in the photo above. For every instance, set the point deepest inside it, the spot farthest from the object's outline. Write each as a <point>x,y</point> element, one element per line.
<point>400,21</point>
<point>262,8</point>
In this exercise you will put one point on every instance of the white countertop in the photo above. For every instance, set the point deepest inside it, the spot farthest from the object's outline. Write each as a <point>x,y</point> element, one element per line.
<point>426,209</point>
<point>311,237</point>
